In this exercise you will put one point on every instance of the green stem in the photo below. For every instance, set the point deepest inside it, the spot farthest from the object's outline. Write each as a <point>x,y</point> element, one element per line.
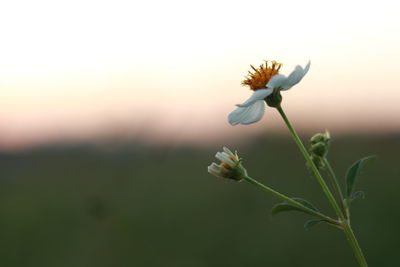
<point>314,169</point>
<point>336,186</point>
<point>291,201</point>
<point>345,224</point>
<point>354,244</point>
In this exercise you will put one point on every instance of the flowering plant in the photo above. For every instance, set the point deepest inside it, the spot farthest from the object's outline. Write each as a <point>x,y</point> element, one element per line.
<point>267,84</point>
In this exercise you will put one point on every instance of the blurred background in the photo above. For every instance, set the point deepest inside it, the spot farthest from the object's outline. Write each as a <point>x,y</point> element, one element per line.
<point>110,112</point>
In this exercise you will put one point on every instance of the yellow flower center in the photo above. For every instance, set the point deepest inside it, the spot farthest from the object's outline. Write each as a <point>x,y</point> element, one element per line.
<point>234,158</point>
<point>225,165</point>
<point>260,77</point>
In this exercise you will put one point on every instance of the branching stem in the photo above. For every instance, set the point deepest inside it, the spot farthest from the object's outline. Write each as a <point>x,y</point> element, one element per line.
<point>336,187</point>
<point>343,221</point>
<point>292,201</point>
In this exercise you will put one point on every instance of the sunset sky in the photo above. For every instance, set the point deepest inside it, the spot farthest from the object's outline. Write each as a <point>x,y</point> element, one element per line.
<point>171,70</point>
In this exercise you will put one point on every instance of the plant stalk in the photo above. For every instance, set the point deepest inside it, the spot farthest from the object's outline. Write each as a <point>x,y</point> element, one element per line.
<point>292,202</point>
<point>336,187</point>
<point>354,244</point>
<point>314,169</point>
<point>345,224</point>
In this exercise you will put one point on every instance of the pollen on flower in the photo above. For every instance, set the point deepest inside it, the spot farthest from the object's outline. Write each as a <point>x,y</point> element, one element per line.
<point>259,78</point>
<point>232,157</point>
<point>225,165</point>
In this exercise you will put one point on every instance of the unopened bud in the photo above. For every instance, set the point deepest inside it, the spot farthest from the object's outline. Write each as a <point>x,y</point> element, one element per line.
<point>320,137</point>
<point>319,144</point>
<point>319,149</point>
<point>318,162</point>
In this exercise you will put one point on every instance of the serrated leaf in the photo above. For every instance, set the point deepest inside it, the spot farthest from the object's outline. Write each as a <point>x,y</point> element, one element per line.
<point>284,206</point>
<point>353,172</point>
<point>311,223</point>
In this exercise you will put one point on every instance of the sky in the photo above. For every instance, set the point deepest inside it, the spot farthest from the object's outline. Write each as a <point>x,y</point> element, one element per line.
<point>170,71</point>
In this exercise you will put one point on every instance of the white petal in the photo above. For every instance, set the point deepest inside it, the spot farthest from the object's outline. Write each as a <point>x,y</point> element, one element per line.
<point>307,67</point>
<point>214,168</point>
<point>227,150</point>
<point>257,95</point>
<point>247,115</point>
<point>213,171</point>
<point>296,76</point>
<point>277,81</point>
<point>285,83</point>
<point>223,157</point>
<point>219,156</point>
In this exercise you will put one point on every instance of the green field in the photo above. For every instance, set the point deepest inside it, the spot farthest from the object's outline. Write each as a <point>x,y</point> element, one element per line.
<point>136,205</point>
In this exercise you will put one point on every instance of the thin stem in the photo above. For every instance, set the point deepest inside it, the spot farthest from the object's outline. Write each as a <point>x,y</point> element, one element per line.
<point>354,244</point>
<point>291,201</point>
<point>336,186</point>
<point>314,169</point>
<point>345,223</point>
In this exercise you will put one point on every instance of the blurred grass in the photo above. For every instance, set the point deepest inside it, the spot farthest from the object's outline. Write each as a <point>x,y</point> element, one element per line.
<point>134,205</point>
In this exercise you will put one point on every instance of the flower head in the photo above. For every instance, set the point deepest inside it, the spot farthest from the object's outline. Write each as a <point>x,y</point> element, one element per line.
<point>261,76</point>
<point>230,166</point>
<point>265,81</point>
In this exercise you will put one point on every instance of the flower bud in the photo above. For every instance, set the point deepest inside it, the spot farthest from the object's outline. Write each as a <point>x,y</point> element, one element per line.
<point>319,149</point>
<point>230,166</point>
<point>320,137</point>
<point>317,162</point>
<point>319,144</point>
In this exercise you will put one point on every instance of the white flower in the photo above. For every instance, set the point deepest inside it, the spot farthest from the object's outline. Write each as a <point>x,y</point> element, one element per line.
<point>264,81</point>
<point>230,166</point>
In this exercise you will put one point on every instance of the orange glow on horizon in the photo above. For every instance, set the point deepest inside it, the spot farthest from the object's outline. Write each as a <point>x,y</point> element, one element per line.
<point>172,71</point>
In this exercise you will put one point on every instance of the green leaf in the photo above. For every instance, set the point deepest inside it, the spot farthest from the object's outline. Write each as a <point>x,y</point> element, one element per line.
<point>284,206</point>
<point>311,223</point>
<point>358,194</point>
<point>354,196</point>
<point>353,172</point>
